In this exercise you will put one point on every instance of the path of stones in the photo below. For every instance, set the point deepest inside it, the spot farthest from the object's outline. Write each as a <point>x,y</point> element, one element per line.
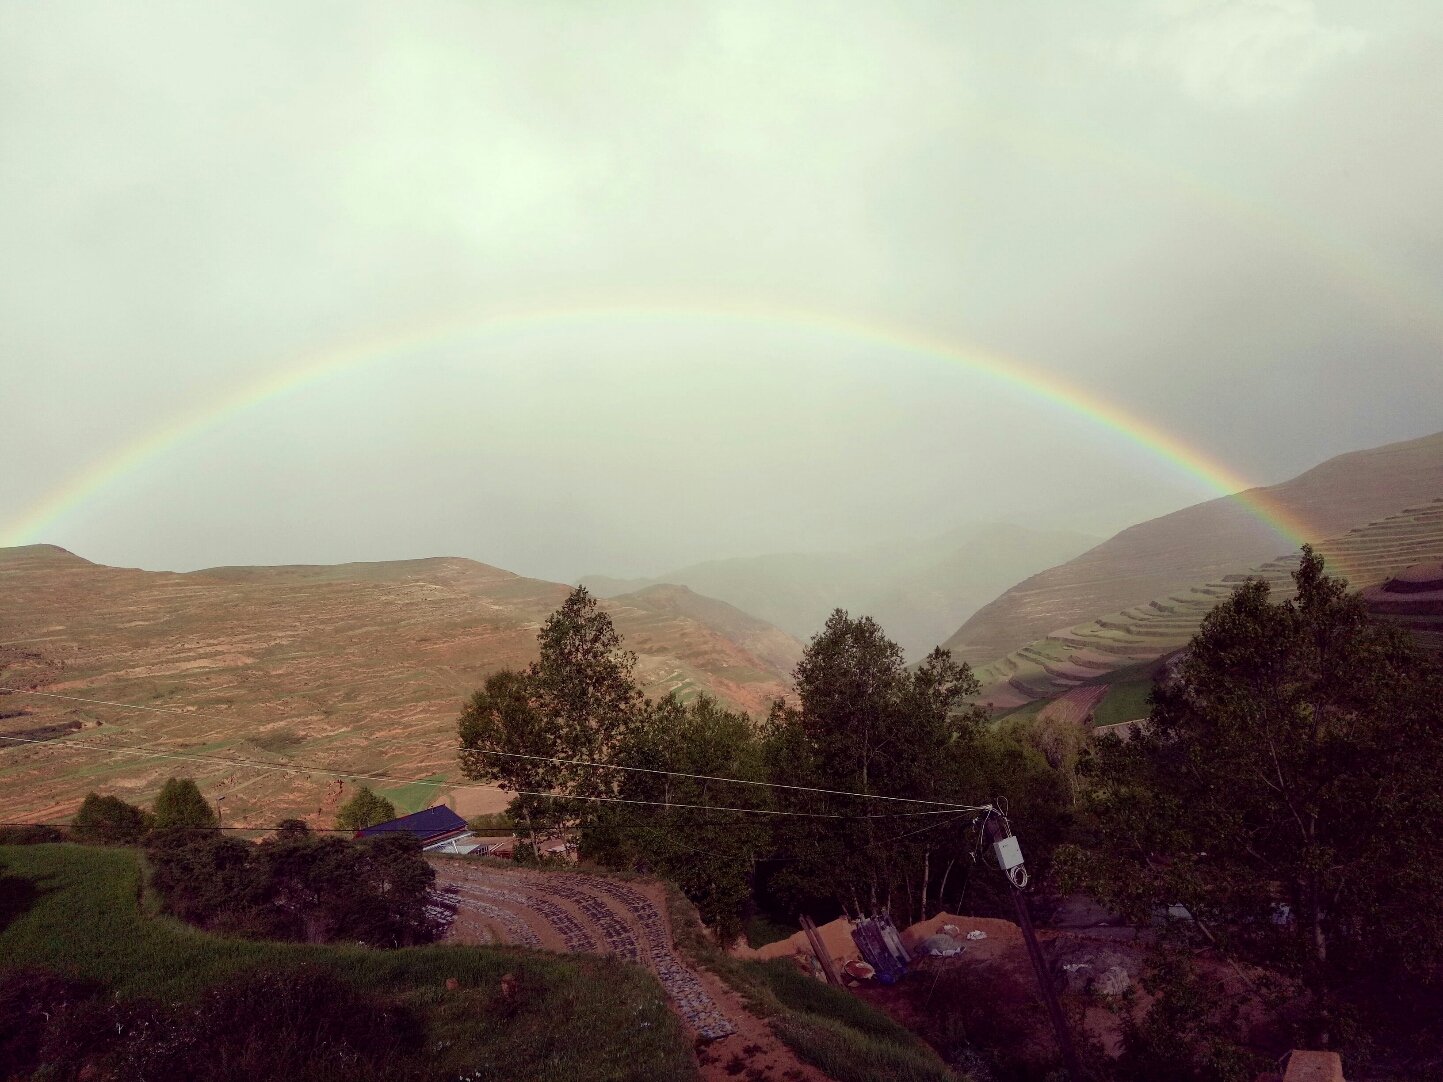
<point>561,911</point>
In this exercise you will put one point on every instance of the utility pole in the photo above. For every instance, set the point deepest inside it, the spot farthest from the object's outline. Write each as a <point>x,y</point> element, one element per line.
<point>1009,858</point>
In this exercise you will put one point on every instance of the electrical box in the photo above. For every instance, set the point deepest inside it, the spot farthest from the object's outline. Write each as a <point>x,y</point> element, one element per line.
<point>1009,853</point>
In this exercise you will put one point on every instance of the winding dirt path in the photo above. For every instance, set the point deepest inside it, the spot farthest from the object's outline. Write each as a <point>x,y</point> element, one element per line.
<point>571,912</point>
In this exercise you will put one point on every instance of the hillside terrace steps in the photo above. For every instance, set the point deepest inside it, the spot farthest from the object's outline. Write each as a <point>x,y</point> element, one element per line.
<point>1148,630</point>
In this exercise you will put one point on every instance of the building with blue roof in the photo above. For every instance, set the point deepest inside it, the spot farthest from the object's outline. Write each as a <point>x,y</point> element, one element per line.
<point>434,828</point>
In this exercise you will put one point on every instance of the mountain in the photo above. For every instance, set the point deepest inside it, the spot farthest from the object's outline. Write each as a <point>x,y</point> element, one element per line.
<point>1382,558</point>
<point>352,668</point>
<point>1203,543</point>
<point>917,590</point>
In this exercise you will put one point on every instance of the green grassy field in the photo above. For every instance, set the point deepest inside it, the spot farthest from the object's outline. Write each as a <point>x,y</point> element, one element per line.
<point>75,909</point>
<point>414,797</point>
<point>1123,702</point>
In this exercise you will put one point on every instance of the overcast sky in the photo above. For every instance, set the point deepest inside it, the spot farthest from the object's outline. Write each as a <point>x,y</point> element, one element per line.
<point>1221,218</point>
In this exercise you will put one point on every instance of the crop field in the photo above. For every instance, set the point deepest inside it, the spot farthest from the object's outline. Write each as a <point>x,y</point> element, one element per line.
<point>74,909</point>
<point>325,672</point>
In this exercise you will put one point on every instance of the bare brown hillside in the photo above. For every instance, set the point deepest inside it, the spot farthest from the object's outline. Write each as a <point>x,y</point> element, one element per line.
<point>1203,543</point>
<point>350,668</point>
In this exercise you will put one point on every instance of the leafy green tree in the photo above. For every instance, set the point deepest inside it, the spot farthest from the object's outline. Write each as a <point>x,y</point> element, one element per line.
<point>867,724</point>
<point>586,689</point>
<point>579,702</point>
<point>108,820</point>
<point>365,809</point>
<point>180,804</point>
<point>1285,791</point>
<point>709,854</point>
<point>506,739</point>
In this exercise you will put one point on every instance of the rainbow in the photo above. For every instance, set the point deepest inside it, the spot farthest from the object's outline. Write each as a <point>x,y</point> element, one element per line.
<point>309,369</point>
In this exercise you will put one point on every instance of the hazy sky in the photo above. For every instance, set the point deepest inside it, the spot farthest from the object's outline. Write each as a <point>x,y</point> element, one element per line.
<point>1221,218</point>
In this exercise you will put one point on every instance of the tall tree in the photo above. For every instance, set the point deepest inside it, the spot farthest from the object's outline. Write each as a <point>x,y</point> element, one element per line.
<point>678,832</point>
<point>864,723</point>
<point>1285,790</point>
<point>577,702</point>
<point>586,689</point>
<point>506,739</point>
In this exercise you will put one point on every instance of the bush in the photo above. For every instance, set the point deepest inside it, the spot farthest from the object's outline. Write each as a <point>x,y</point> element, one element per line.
<point>180,804</point>
<point>31,834</point>
<point>32,1003</point>
<point>297,887</point>
<point>108,820</point>
<point>303,1023</point>
<point>365,809</point>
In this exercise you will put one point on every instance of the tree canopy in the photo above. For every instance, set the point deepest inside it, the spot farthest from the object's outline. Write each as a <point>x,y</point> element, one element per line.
<point>108,820</point>
<point>365,809</point>
<point>1284,789</point>
<point>180,804</point>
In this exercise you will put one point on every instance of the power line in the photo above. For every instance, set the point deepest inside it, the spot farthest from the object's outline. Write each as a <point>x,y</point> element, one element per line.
<point>713,777</point>
<point>548,759</point>
<point>299,769</point>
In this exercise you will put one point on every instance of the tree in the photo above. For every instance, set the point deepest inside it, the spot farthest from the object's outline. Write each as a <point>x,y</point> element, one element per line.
<point>180,804</point>
<point>865,723</point>
<point>577,702</point>
<point>108,820</point>
<point>709,854</point>
<point>585,689</point>
<point>506,739</point>
<point>1284,790</point>
<point>365,809</point>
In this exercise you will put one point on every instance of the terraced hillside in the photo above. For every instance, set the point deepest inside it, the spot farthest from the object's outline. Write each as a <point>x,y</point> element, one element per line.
<point>350,669</point>
<point>1142,633</point>
<point>1413,598</point>
<point>1204,543</point>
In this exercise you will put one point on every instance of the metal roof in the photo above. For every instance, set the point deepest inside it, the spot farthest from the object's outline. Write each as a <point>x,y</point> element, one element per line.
<point>425,825</point>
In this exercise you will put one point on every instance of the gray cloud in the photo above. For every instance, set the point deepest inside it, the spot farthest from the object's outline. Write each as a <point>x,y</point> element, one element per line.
<point>1221,218</point>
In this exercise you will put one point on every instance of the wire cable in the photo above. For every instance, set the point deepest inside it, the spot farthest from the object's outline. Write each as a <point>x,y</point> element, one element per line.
<point>548,759</point>
<point>299,769</point>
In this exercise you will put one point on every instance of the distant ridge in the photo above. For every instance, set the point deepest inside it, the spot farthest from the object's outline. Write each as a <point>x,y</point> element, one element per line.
<point>917,590</point>
<point>1202,543</point>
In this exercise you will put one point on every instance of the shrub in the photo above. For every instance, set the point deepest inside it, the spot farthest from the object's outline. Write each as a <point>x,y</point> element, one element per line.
<point>303,1023</point>
<point>365,809</point>
<point>108,820</point>
<point>31,834</point>
<point>180,804</point>
<point>296,886</point>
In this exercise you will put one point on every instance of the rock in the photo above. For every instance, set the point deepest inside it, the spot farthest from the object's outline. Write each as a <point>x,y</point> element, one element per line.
<point>940,946</point>
<point>1112,982</point>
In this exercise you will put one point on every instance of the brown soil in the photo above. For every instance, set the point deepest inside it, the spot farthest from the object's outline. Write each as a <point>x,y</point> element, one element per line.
<point>358,668</point>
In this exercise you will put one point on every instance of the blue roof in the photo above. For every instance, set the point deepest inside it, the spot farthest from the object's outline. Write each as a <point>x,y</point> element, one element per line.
<point>423,824</point>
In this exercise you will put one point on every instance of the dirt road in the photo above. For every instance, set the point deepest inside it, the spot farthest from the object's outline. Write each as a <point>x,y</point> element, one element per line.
<point>565,911</point>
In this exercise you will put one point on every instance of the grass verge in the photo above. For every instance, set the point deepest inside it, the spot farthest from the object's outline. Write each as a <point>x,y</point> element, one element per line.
<point>75,910</point>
